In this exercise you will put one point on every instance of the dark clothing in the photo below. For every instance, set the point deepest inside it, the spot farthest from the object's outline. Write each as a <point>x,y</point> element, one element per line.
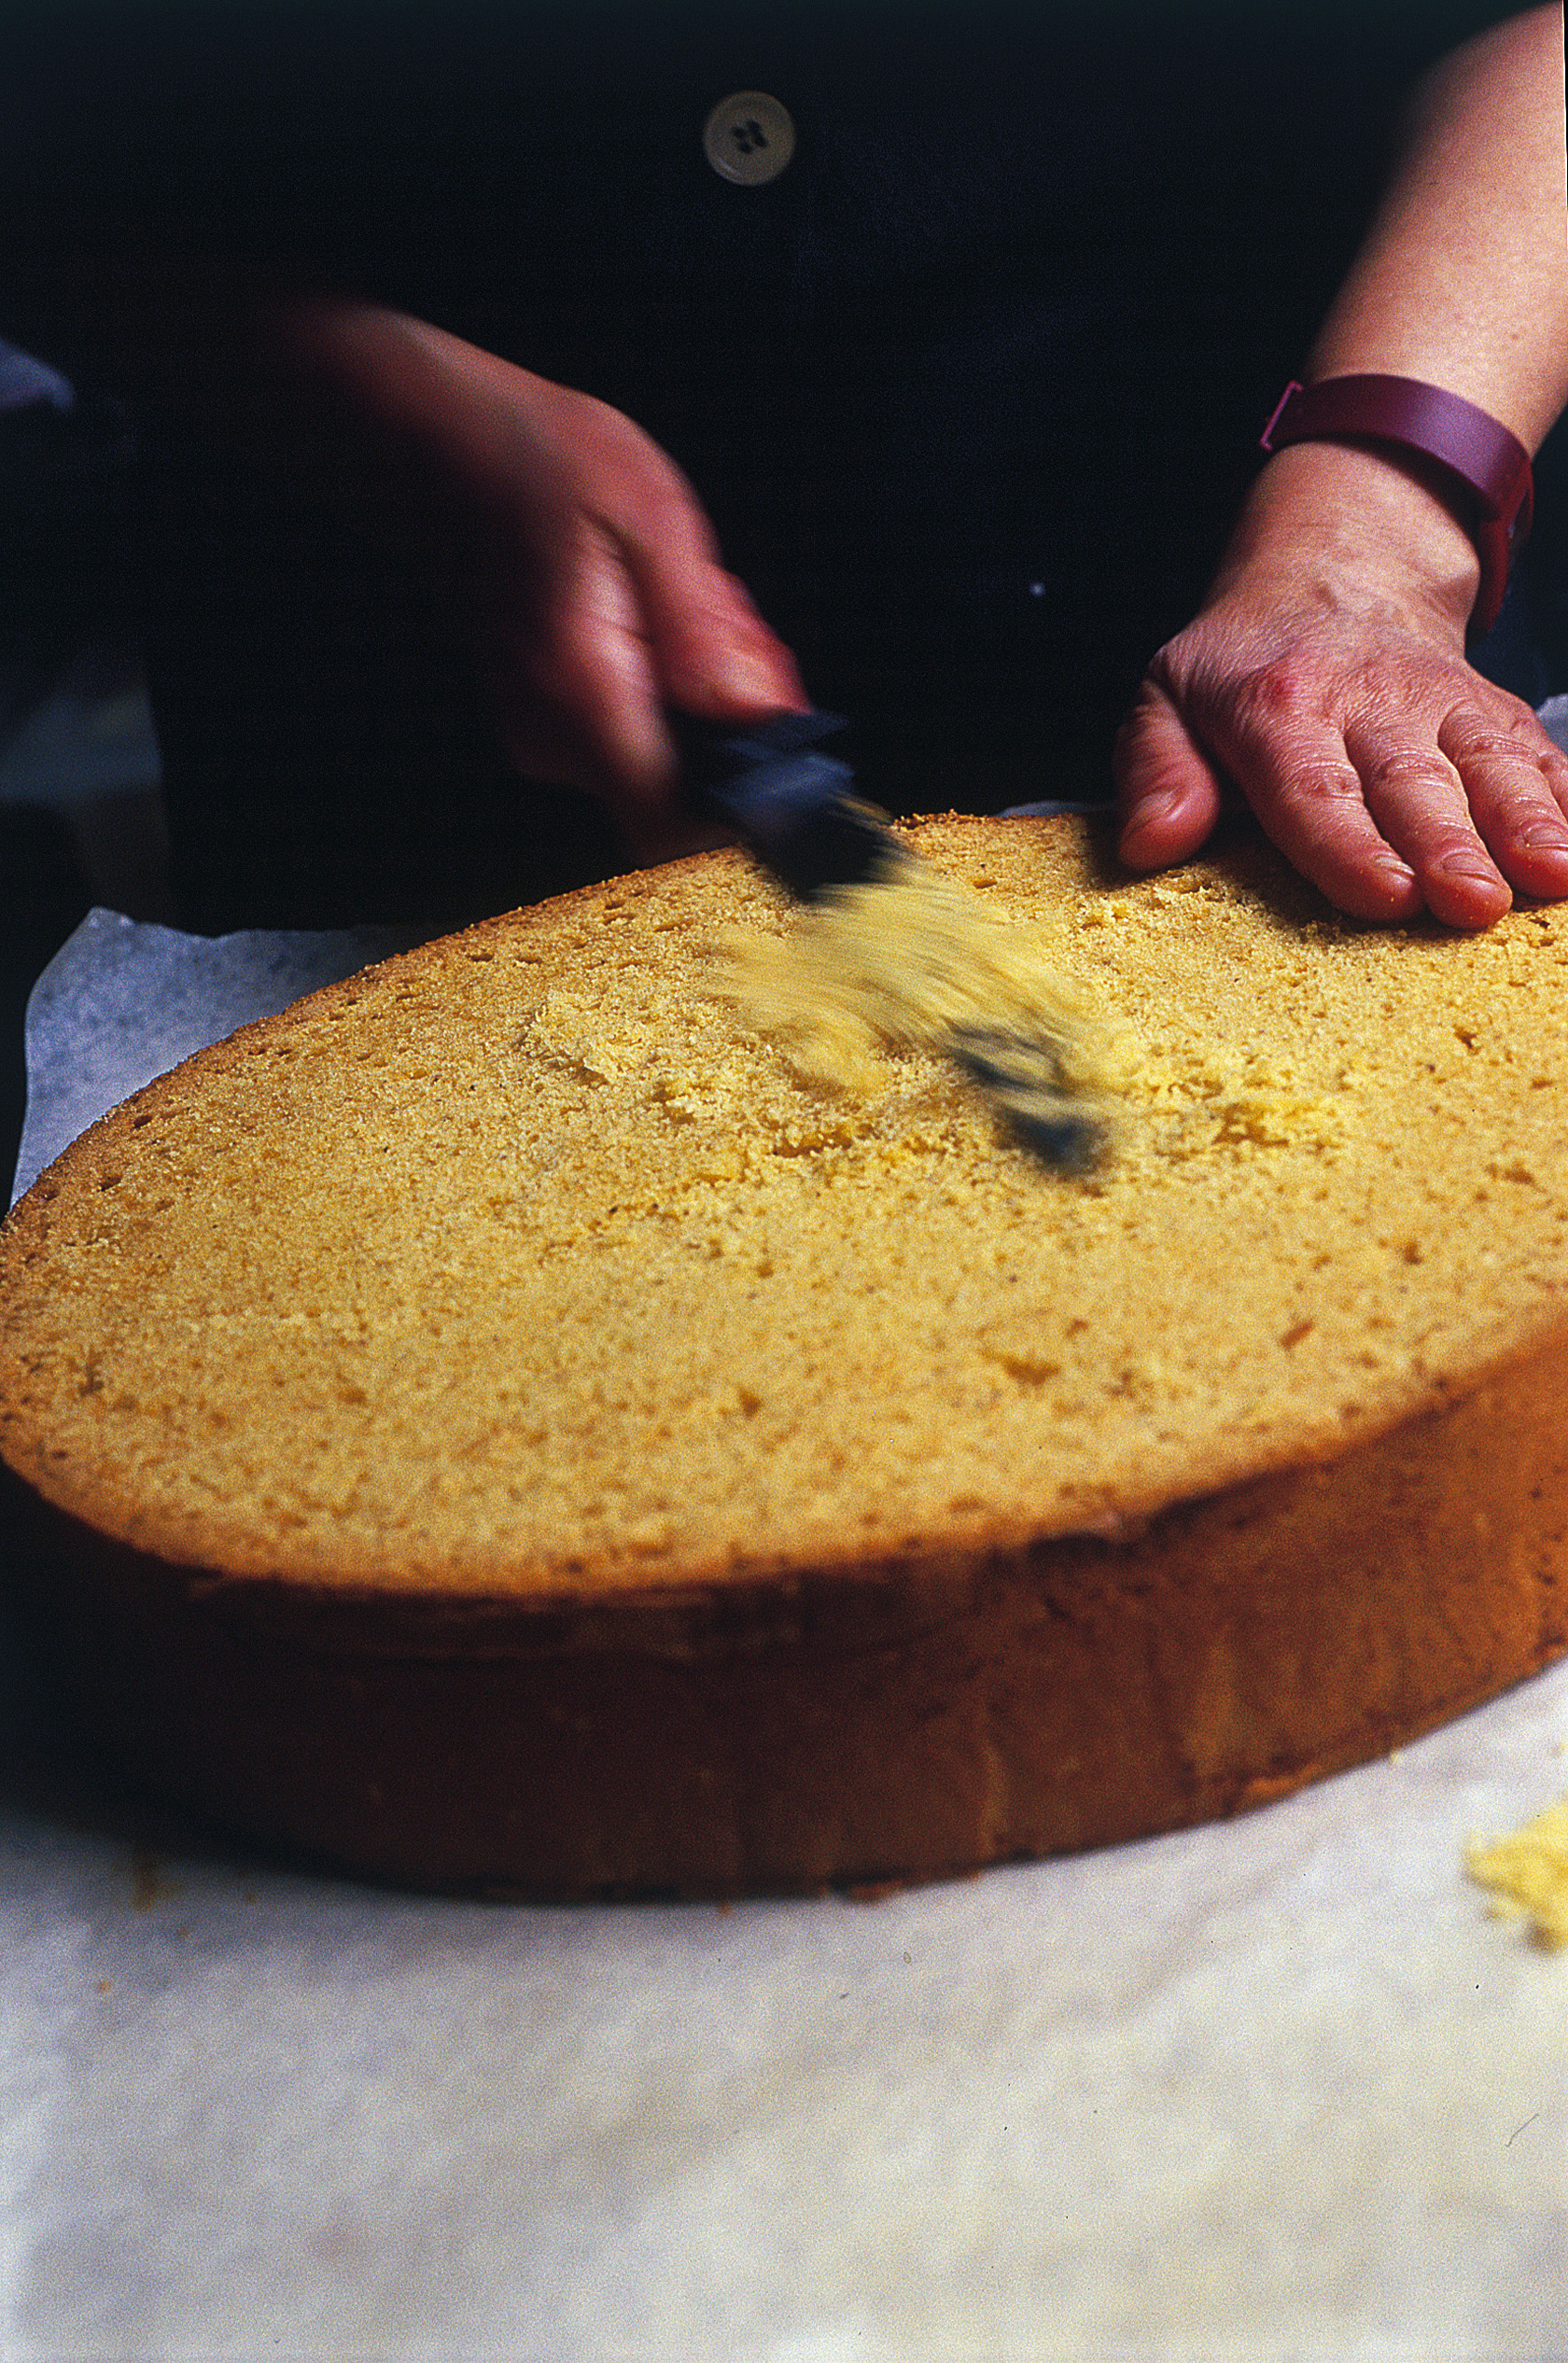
<point>970,390</point>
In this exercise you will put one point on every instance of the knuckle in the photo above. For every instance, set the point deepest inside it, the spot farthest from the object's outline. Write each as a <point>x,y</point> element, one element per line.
<point>1520,713</point>
<point>1504,725</point>
<point>1274,696</point>
<point>1513,813</point>
<point>1487,742</point>
<point>1168,668</point>
<point>1324,784</point>
<point>1450,853</point>
<point>1408,678</point>
<point>1133,730</point>
<point>1410,771</point>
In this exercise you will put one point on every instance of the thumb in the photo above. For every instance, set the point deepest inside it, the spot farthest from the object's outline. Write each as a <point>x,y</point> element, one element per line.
<point>1169,794</point>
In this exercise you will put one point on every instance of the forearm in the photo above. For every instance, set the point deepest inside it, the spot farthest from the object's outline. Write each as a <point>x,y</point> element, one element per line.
<point>425,433</point>
<point>1461,282</point>
<point>1463,278</point>
<point>412,388</point>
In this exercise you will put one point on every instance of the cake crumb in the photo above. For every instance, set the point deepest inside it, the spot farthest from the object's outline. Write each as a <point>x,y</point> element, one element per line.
<point>911,962</point>
<point>1527,1873</point>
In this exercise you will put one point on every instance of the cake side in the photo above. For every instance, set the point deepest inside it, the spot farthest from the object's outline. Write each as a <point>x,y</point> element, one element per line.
<point>921,1718</point>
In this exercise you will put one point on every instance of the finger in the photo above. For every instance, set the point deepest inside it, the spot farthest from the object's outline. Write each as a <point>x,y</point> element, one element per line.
<point>651,637</point>
<point>1293,768</point>
<point>711,651</point>
<point>1168,792</point>
<point>1417,798</point>
<point>574,677</point>
<point>1515,783</point>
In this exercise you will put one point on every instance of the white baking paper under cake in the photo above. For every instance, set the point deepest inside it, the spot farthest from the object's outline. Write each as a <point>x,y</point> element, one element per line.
<point>1279,2087</point>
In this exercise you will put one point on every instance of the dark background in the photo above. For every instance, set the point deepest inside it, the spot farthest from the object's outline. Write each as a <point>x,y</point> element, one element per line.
<point>971,391</point>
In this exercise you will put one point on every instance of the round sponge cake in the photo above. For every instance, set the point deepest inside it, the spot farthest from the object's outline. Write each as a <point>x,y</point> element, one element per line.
<point>509,1423</point>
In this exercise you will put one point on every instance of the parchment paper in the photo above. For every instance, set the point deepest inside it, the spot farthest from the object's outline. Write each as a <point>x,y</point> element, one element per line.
<point>120,1003</point>
<point>1276,2088</point>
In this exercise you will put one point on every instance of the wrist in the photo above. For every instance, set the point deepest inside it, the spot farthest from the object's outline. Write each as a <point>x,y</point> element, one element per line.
<point>429,437</point>
<point>1360,527</point>
<point>1468,458</point>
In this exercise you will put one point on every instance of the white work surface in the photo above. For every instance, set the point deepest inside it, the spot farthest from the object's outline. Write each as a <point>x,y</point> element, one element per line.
<point>1278,2089</point>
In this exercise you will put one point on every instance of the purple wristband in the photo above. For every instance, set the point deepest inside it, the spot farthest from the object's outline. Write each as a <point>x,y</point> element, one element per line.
<point>1488,469</point>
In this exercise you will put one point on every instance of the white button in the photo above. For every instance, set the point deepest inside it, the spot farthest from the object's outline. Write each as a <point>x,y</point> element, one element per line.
<point>748,137</point>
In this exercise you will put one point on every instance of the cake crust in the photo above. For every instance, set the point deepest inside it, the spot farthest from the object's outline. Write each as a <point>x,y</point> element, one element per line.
<point>1058,1654</point>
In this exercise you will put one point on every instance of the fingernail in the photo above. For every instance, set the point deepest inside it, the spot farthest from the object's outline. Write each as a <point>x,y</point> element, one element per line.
<point>746,673</point>
<point>1468,865</point>
<point>1158,805</point>
<point>1546,839</point>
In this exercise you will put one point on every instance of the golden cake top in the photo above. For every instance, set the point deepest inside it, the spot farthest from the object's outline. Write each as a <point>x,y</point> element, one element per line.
<point>526,1262</point>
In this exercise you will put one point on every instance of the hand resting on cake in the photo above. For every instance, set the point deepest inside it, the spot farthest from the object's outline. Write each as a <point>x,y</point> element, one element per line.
<point>1325,677</point>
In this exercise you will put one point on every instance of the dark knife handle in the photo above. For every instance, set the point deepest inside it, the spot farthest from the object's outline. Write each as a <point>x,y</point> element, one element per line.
<point>794,806</point>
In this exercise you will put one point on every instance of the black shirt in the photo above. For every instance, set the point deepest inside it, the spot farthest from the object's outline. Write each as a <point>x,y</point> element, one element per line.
<point>971,389</point>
